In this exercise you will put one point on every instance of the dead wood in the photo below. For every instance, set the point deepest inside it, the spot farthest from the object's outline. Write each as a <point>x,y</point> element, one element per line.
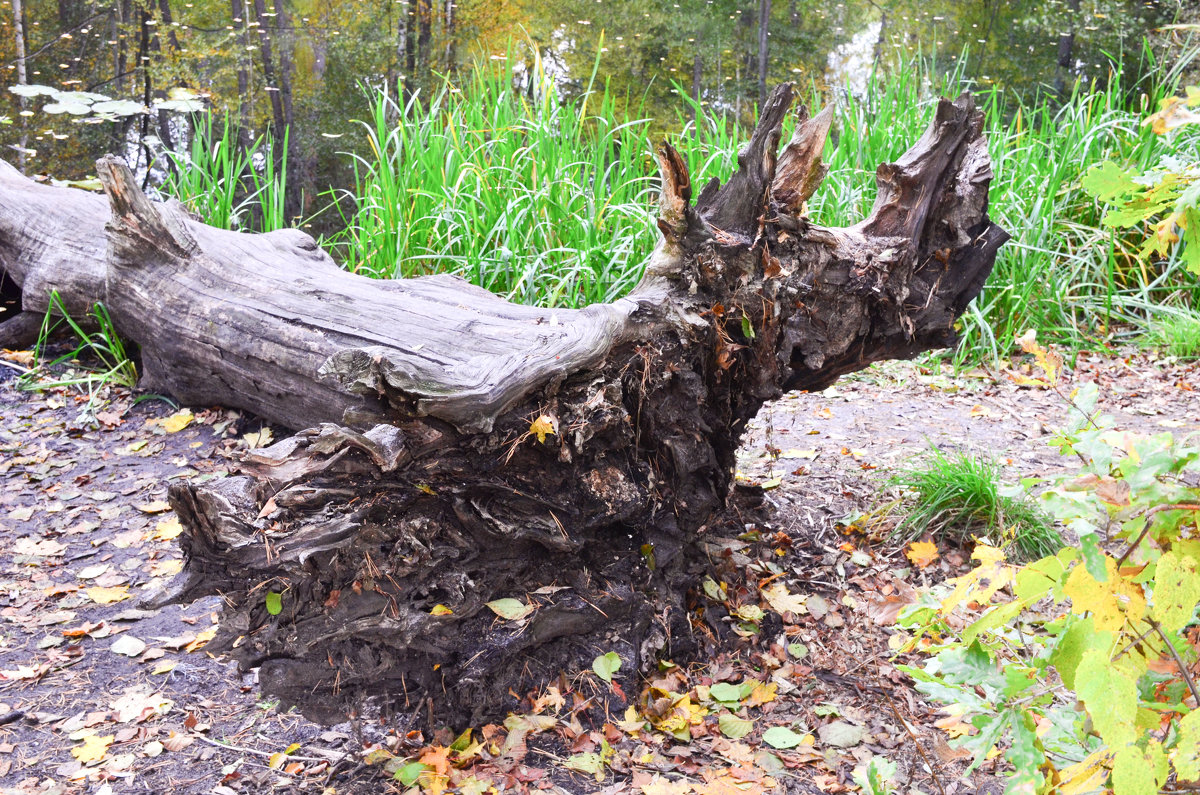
<point>461,449</point>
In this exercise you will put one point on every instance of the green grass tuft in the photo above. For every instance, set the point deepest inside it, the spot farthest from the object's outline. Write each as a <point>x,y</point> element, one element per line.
<point>958,496</point>
<point>98,360</point>
<point>1176,334</point>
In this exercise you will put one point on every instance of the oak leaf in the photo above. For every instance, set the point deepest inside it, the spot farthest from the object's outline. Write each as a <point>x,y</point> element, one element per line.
<point>93,749</point>
<point>922,553</point>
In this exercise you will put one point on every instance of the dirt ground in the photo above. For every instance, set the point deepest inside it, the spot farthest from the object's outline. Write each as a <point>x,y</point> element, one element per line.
<point>99,696</point>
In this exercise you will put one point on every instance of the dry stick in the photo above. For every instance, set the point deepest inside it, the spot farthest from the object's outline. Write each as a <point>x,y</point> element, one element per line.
<point>1179,506</point>
<point>916,741</point>
<point>1132,643</point>
<point>241,749</point>
<point>1183,671</point>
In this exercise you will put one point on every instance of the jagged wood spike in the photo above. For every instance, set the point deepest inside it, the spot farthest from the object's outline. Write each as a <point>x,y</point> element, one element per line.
<point>737,207</point>
<point>801,169</point>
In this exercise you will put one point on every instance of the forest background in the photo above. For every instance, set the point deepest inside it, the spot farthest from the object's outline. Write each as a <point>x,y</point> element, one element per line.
<point>310,65</point>
<point>382,125</point>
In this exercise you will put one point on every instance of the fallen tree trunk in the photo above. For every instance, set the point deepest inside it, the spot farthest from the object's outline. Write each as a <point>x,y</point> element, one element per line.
<point>460,449</point>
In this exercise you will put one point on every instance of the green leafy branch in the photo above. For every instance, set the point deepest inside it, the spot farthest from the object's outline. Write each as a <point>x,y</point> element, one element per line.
<point>1077,669</point>
<point>1166,196</point>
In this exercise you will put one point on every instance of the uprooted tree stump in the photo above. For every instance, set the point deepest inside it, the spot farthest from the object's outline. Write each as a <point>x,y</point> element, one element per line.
<point>461,449</point>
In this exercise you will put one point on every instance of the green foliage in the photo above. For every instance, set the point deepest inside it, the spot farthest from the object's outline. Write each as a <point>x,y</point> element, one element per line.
<point>1076,666</point>
<point>532,197</point>
<point>548,200</point>
<point>959,495</point>
<point>98,360</point>
<point>97,339</point>
<point>217,179</point>
<point>1176,334</point>
<point>1166,194</point>
<point>876,777</point>
<point>606,665</point>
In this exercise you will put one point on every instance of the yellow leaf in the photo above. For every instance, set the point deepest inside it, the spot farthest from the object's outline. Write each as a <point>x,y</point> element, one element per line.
<point>1164,233</point>
<point>164,667</point>
<point>291,749</point>
<point>377,756</point>
<point>783,601</point>
<point>982,583</point>
<point>987,555</point>
<point>177,421</point>
<point>922,553</point>
<point>93,749</point>
<point>511,609</point>
<point>633,721</point>
<point>955,726</point>
<point>168,529</point>
<point>261,438</point>
<point>762,694</point>
<point>166,568</point>
<point>441,610</point>
<point>202,638</point>
<point>542,426</point>
<point>106,596</point>
<point>1111,603</point>
<point>1172,113</point>
<point>276,760</point>
<point>158,506</point>
<point>1048,360</point>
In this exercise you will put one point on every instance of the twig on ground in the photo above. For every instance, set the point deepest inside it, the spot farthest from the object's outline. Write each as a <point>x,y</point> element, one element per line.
<point>916,741</point>
<point>241,749</point>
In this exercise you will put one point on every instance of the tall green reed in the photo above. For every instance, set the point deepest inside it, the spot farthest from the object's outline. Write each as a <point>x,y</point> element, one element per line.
<point>223,182</point>
<point>533,197</point>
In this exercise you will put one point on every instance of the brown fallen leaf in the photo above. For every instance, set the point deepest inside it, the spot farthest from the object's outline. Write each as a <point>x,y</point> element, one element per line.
<point>944,753</point>
<point>176,741</point>
<point>660,785</point>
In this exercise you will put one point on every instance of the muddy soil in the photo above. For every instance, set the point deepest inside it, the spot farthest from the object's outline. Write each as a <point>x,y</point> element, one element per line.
<point>99,696</point>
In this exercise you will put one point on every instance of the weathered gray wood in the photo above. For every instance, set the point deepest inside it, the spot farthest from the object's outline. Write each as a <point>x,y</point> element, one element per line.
<point>20,330</point>
<point>421,480</point>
